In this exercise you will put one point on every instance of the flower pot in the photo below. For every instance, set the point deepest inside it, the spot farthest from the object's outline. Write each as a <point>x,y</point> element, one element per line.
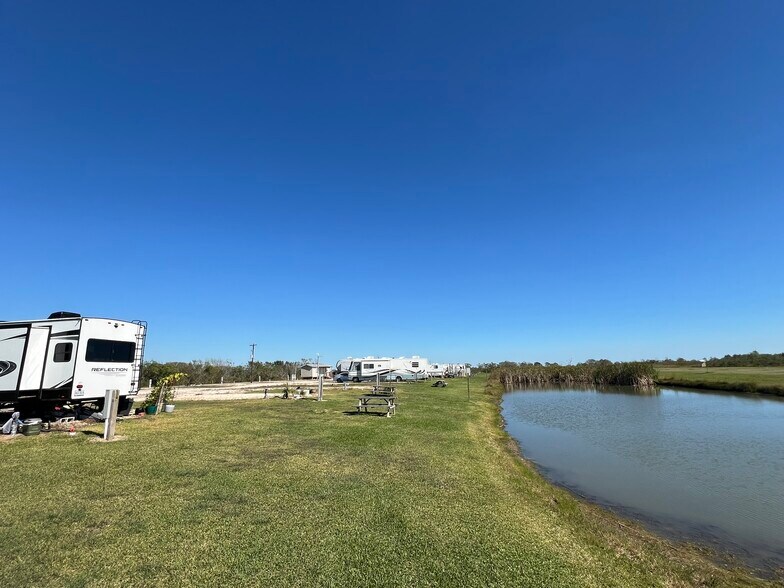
<point>151,409</point>
<point>169,408</point>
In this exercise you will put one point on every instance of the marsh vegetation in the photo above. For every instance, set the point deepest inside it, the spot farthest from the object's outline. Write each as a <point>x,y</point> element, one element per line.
<point>596,373</point>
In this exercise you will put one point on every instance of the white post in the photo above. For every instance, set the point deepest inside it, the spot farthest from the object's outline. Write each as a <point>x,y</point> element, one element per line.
<point>221,379</point>
<point>110,403</point>
<point>321,388</point>
<point>150,382</point>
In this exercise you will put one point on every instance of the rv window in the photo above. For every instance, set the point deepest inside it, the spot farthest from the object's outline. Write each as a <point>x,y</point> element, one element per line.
<point>414,364</point>
<point>103,350</point>
<point>367,366</point>
<point>62,352</point>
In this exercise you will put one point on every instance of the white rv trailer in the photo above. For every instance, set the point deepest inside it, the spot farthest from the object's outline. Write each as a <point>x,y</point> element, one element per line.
<point>409,368</point>
<point>437,370</point>
<point>70,358</point>
<point>457,370</point>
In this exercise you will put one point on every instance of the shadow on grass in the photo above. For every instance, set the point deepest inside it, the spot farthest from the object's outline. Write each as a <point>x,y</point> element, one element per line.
<point>354,413</point>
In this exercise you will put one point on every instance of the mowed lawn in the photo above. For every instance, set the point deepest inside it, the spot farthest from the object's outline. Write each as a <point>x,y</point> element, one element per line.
<point>759,376</point>
<point>300,493</point>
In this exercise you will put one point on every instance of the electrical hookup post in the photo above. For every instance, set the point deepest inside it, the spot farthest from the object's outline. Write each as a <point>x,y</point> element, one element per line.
<point>110,404</point>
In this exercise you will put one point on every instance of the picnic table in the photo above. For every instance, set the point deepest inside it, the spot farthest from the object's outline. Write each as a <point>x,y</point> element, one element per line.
<point>382,397</point>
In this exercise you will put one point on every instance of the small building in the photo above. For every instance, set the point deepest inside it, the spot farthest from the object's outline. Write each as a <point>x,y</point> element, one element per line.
<point>311,371</point>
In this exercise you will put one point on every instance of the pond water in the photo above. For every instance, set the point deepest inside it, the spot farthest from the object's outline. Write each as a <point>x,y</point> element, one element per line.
<point>698,466</point>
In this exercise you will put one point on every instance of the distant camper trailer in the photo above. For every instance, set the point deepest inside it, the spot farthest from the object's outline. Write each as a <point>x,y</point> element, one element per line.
<point>346,369</point>
<point>437,370</point>
<point>409,368</point>
<point>70,358</point>
<point>457,370</point>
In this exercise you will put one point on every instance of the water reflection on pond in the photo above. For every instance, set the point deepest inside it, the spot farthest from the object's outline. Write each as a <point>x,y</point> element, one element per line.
<point>696,465</point>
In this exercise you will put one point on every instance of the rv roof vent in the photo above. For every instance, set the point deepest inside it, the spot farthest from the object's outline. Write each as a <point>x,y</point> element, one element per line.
<point>64,314</point>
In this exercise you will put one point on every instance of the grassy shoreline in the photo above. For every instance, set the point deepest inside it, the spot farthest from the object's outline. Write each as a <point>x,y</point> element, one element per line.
<point>745,380</point>
<point>301,493</point>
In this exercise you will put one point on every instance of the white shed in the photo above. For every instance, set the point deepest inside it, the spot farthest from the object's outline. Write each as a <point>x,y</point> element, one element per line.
<point>310,371</point>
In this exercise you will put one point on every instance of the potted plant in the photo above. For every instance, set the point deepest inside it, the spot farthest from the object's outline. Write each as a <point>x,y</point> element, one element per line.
<point>162,393</point>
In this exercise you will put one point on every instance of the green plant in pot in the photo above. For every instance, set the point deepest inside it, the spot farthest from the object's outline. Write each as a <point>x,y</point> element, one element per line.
<point>162,394</point>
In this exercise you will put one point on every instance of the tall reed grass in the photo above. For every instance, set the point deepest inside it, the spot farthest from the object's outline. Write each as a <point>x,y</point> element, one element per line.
<point>520,375</point>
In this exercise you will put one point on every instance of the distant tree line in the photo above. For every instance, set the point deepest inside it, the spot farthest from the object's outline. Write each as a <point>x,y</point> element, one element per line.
<point>210,371</point>
<point>753,359</point>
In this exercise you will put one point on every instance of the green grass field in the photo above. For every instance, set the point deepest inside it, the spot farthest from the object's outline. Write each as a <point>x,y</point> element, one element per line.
<point>745,379</point>
<point>300,493</point>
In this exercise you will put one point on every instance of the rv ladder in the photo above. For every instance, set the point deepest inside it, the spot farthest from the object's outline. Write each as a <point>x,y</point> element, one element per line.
<point>138,360</point>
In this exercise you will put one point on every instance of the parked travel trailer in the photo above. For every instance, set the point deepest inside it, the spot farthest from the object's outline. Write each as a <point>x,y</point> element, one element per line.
<point>68,358</point>
<point>437,370</point>
<point>409,368</point>
<point>457,370</point>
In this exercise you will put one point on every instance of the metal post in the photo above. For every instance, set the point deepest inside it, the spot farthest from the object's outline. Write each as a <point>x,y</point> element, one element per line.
<point>252,358</point>
<point>110,403</point>
<point>469,388</point>
<point>321,388</point>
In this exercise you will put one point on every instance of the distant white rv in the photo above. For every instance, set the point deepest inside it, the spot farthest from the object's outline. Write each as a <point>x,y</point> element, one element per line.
<point>409,368</point>
<point>396,369</point>
<point>69,358</point>
<point>437,370</point>
<point>346,369</point>
<point>457,370</point>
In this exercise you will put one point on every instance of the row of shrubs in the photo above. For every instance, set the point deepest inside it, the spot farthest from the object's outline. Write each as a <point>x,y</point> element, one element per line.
<point>630,373</point>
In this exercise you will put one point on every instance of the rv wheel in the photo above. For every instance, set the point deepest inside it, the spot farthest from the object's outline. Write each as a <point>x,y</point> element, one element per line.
<point>398,379</point>
<point>356,379</point>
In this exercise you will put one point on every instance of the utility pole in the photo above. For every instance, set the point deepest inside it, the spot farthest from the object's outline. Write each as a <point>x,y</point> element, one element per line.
<point>252,358</point>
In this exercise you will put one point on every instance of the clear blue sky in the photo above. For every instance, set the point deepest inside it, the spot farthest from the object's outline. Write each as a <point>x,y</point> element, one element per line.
<point>466,181</point>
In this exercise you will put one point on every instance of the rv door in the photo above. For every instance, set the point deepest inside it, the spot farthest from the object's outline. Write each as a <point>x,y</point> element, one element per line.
<point>35,358</point>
